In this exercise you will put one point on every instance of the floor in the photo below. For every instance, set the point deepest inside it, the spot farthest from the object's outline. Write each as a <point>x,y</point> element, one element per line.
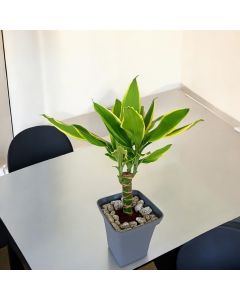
<point>149,266</point>
<point>4,262</point>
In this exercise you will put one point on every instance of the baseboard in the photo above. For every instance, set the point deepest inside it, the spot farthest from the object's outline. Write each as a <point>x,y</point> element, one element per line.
<point>222,115</point>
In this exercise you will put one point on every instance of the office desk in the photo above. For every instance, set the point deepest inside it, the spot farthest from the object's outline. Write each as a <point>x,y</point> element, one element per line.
<point>50,208</point>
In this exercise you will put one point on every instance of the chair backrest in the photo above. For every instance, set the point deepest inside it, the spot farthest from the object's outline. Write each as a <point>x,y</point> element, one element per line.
<point>36,144</point>
<point>217,249</point>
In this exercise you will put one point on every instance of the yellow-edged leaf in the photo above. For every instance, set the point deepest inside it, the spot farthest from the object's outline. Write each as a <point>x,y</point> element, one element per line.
<point>167,123</point>
<point>132,97</point>
<point>183,129</point>
<point>155,155</point>
<point>117,108</point>
<point>149,116</point>
<point>113,125</point>
<point>91,137</point>
<point>69,130</point>
<point>133,124</point>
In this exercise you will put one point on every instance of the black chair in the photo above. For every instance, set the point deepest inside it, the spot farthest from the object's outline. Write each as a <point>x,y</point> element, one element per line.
<point>37,144</point>
<point>3,236</point>
<point>217,249</point>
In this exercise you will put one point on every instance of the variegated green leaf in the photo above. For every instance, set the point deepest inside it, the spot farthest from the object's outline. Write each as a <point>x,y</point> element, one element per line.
<point>113,125</point>
<point>155,155</point>
<point>117,112</point>
<point>132,97</point>
<point>167,123</point>
<point>149,116</point>
<point>110,156</point>
<point>154,122</point>
<point>119,154</point>
<point>133,124</point>
<point>113,142</point>
<point>117,108</point>
<point>67,129</point>
<point>183,129</point>
<point>91,137</point>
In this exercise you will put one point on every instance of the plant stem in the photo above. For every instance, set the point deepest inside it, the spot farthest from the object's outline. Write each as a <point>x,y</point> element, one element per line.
<point>126,181</point>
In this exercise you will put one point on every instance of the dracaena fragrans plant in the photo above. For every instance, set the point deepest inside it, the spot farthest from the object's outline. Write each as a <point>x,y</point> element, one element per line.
<point>131,130</point>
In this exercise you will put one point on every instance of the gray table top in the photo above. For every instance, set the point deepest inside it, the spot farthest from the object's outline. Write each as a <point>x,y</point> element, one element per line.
<point>50,208</point>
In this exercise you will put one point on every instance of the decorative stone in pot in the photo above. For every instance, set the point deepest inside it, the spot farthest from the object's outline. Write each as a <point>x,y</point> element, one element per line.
<point>131,244</point>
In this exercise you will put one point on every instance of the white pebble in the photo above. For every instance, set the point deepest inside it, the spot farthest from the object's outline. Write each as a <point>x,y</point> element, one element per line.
<point>110,218</point>
<point>135,200</point>
<point>105,211</point>
<point>140,220</point>
<point>124,225</point>
<point>151,217</point>
<point>147,217</point>
<point>116,227</point>
<point>116,217</point>
<point>133,224</point>
<point>110,207</point>
<point>139,206</point>
<point>112,213</point>
<point>118,204</point>
<point>145,211</point>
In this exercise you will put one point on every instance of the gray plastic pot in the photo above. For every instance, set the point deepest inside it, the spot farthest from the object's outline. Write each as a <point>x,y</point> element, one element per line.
<point>132,245</point>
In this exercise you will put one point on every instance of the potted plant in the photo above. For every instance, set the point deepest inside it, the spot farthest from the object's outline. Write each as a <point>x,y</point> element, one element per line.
<point>130,217</point>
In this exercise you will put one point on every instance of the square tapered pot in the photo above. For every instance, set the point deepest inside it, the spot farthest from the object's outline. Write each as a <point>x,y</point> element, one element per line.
<point>131,245</point>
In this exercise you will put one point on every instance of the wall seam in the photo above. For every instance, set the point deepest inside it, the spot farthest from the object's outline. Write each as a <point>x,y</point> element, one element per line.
<point>6,73</point>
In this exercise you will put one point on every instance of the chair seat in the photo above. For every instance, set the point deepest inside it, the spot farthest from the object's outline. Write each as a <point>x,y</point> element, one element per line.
<point>218,249</point>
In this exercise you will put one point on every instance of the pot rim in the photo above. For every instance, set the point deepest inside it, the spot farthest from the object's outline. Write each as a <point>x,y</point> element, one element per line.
<point>155,209</point>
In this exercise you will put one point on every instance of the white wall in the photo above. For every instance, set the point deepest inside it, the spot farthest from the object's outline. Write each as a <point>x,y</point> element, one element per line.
<point>211,67</point>
<point>24,77</point>
<point>99,65</point>
<point>59,72</point>
<point>5,117</point>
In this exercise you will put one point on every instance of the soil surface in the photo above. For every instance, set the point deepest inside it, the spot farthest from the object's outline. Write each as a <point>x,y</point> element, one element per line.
<point>127,218</point>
